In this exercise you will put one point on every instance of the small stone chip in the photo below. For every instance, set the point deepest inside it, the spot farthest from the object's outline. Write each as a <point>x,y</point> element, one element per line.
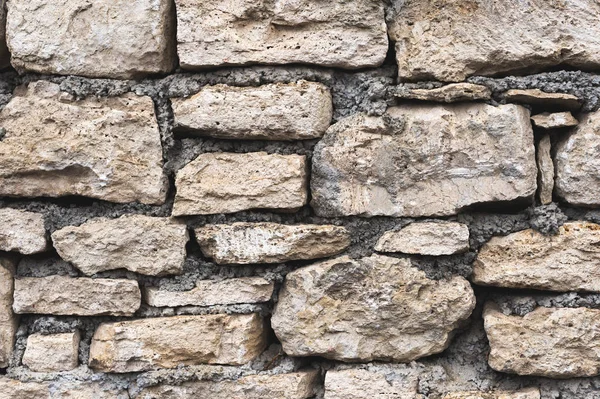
<point>426,238</point>
<point>555,120</point>
<point>50,353</point>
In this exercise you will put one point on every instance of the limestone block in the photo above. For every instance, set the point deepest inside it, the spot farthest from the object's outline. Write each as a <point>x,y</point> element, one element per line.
<point>399,382</point>
<point>426,238</point>
<point>64,389</point>
<point>4,53</point>
<point>539,98</point>
<point>554,120</point>
<point>451,93</point>
<point>545,170</point>
<point>50,353</point>
<point>529,393</point>
<point>8,320</point>
<point>22,231</point>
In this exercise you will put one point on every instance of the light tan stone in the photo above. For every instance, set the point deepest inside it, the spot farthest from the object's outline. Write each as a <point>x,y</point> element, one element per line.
<point>62,295</point>
<point>105,148</point>
<point>228,182</point>
<point>293,111</point>
<point>8,320</point>
<point>547,342</point>
<point>529,393</point>
<point>22,231</point>
<point>345,35</point>
<point>244,243</point>
<point>554,120</point>
<point>166,342</point>
<point>62,389</point>
<point>14,389</point>
<point>543,99</point>
<point>102,38</point>
<point>426,238</point>
<point>54,352</point>
<point>399,382</point>
<point>568,261</point>
<point>142,244</point>
<point>454,92</point>
<point>545,170</point>
<point>208,293</point>
<point>375,308</point>
<point>424,160</point>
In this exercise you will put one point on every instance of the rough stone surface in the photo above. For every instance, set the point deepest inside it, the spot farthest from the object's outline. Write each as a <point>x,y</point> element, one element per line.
<point>454,92</point>
<point>554,120</point>
<point>22,231</point>
<point>13,389</point>
<point>143,244</point>
<point>246,243</point>
<point>530,393</point>
<point>547,342</point>
<point>104,38</point>
<point>537,97</point>
<point>375,308</point>
<point>54,352</point>
<point>424,160</point>
<point>426,238</point>
<point>545,170</point>
<point>8,321</point>
<point>61,295</point>
<point>162,342</point>
<point>226,183</point>
<point>372,384</point>
<point>293,111</point>
<point>345,35</point>
<point>105,148</point>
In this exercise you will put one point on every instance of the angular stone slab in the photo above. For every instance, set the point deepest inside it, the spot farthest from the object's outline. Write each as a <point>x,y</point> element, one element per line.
<point>375,308</point>
<point>569,261</point>
<point>226,182</point>
<point>556,120</point>
<point>22,231</point>
<point>536,97</point>
<point>246,243</point>
<point>8,320</point>
<point>547,342</point>
<point>166,342</point>
<point>424,160</point>
<point>454,92</point>
<point>398,381</point>
<point>143,244</point>
<point>61,295</point>
<point>217,33</point>
<point>529,393</point>
<point>293,111</point>
<point>426,238</point>
<point>106,148</point>
<point>545,170</point>
<point>52,353</point>
<point>99,39</point>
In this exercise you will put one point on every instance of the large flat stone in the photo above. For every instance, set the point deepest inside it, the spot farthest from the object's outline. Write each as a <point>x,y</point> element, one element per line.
<point>424,160</point>
<point>451,93</point>
<point>529,393</point>
<point>399,381</point>
<point>8,320</point>
<point>426,238</point>
<point>22,231</point>
<point>542,99</point>
<point>53,352</point>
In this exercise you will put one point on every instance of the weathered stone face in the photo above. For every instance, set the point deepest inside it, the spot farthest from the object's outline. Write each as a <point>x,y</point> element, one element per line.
<point>105,38</point>
<point>8,320</point>
<point>554,120</point>
<point>530,393</point>
<point>166,342</point>
<point>536,97</point>
<point>142,244</point>
<point>426,238</point>
<point>376,308</point>
<point>345,35</point>
<point>50,353</point>
<point>22,231</point>
<point>454,92</point>
<point>398,382</point>
<point>424,160</point>
<point>246,243</point>
<point>293,111</point>
<point>105,148</point>
<point>545,170</point>
<point>13,389</point>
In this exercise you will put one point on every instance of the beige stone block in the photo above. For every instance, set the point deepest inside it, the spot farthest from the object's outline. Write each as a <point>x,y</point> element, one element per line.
<point>426,238</point>
<point>8,320</point>
<point>22,231</point>
<point>50,353</point>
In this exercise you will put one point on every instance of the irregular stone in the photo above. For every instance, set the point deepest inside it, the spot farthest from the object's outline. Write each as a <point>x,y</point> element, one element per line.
<point>547,342</point>
<point>244,243</point>
<point>555,120</point>
<point>543,99</point>
<point>344,35</point>
<point>454,92</point>
<point>448,41</point>
<point>104,38</point>
<point>107,148</point>
<point>424,160</point>
<point>568,261</point>
<point>22,231</point>
<point>166,342</point>
<point>208,293</point>
<point>293,111</point>
<point>143,244</point>
<point>55,352</point>
<point>64,389</point>
<point>426,238</point>
<point>61,295</point>
<point>8,321</point>
<point>401,382</point>
<point>529,393</point>
<point>545,170</point>
<point>375,308</point>
<point>228,182</point>
<point>14,389</point>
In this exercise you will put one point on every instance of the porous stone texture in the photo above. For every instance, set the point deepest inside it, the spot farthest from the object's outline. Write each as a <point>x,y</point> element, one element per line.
<point>375,308</point>
<point>22,231</point>
<point>142,244</point>
<point>166,342</point>
<point>449,41</point>
<point>402,382</point>
<point>106,148</point>
<point>8,320</point>
<point>424,160</point>
<point>294,111</point>
<point>452,93</point>
<point>105,38</point>
<point>347,35</point>
<point>555,120</point>
<point>426,238</point>
<point>547,342</point>
<point>530,393</point>
<point>14,389</point>
<point>227,182</point>
<point>568,261</point>
<point>62,295</point>
<point>54,352</point>
<point>536,97</point>
<point>545,170</point>
<point>246,243</point>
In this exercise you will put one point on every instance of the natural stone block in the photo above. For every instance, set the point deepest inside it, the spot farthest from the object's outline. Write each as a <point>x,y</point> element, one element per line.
<point>14,389</point>
<point>452,93</point>
<point>227,182</point>
<point>426,238</point>
<point>398,382</point>
<point>244,243</point>
<point>4,53</point>
<point>62,389</point>
<point>104,38</point>
<point>166,342</point>
<point>547,342</point>
<point>8,320</point>
<point>345,35</point>
<point>55,352</point>
<point>529,393</point>
<point>545,170</point>
<point>22,231</point>
<point>293,111</point>
<point>536,97</point>
<point>568,261</point>
<point>424,160</point>
<point>107,148</point>
<point>555,120</point>
<point>142,244</point>
<point>375,308</point>
<point>62,295</point>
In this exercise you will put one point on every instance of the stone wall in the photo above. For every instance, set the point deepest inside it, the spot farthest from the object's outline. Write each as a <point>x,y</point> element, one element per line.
<point>302,199</point>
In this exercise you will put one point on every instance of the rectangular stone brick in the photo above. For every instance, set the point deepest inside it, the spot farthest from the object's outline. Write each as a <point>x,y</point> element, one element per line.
<point>387,382</point>
<point>8,320</point>
<point>22,231</point>
<point>529,393</point>
<point>426,238</point>
<point>50,353</point>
